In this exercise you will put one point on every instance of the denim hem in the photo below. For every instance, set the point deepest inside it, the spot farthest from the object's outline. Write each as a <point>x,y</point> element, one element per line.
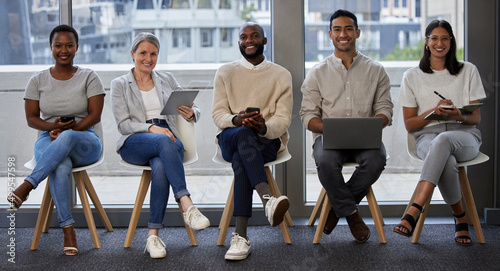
<point>155,225</point>
<point>68,222</point>
<point>181,194</point>
<point>32,182</point>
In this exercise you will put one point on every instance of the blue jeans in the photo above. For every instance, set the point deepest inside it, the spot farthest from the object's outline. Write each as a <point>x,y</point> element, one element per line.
<point>165,159</point>
<point>55,159</point>
<point>248,153</point>
<point>344,196</point>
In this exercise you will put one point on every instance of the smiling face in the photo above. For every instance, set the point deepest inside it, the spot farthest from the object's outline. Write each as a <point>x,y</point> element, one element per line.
<point>64,48</point>
<point>439,42</point>
<point>344,34</point>
<point>252,41</point>
<point>145,57</point>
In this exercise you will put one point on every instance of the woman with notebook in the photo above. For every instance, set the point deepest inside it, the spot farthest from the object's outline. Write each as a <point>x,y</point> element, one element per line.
<point>149,138</point>
<point>441,84</point>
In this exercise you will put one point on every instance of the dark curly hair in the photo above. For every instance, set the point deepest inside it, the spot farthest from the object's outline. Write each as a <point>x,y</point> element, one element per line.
<point>62,28</point>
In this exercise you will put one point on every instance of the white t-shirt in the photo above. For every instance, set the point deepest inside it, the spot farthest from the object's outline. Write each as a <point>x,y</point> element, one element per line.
<point>152,104</point>
<point>417,88</point>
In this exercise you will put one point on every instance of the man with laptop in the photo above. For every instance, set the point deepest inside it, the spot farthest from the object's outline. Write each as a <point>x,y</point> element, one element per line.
<point>347,94</point>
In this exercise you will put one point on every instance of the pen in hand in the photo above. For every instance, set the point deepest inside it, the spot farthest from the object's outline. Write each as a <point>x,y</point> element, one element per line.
<point>440,96</point>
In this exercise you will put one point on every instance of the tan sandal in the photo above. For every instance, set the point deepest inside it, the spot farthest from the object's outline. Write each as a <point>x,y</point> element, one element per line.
<point>70,250</point>
<point>15,201</point>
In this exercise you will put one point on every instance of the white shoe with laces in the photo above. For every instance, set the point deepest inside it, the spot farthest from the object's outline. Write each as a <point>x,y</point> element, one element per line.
<point>240,248</point>
<point>195,219</point>
<point>155,247</point>
<point>276,208</point>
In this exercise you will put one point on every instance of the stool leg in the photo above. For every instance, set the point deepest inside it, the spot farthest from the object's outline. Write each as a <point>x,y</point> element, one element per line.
<point>377,215</point>
<point>322,220</point>
<point>139,201</point>
<point>226,216</point>
<point>42,216</point>
<point>273,188</point>
<point>95,201</point>
<point>78,176</point>
<point>317,207</point>
<point>190,232</point>
<point>421,220</point>
<point>48,217</point>
<point>470,204</point>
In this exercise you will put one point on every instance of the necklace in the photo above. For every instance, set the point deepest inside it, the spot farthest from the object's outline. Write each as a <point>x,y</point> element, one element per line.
<point>143,82</point>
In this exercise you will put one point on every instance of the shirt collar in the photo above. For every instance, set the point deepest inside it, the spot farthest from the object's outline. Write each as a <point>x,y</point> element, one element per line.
<point>245,63</point>
<point>339,60</point>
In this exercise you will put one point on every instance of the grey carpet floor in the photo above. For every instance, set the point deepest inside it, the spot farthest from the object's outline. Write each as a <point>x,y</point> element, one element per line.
<point>338,251</point>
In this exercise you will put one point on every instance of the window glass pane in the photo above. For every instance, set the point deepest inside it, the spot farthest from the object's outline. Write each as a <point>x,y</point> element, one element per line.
<point>204,4</point>
<point>205,33</point>
<point>391,33</point>
<point>24,35</point>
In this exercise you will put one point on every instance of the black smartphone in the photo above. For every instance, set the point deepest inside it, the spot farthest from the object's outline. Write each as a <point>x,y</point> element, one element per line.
<point>252,109</point>
<point>67,118</point>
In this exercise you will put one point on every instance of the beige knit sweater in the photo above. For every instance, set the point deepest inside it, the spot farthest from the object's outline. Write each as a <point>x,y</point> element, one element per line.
<point>269,88</point>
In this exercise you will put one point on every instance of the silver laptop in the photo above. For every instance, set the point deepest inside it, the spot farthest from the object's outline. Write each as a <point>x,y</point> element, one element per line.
<point>352,133</point>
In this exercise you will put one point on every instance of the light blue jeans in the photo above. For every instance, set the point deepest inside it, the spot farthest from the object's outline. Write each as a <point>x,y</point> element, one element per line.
<point>441,146</point>
<point>55,159</point>
<point>165,159</point>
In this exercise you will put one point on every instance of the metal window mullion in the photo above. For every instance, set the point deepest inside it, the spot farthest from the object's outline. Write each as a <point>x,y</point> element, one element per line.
<point>65,12</point>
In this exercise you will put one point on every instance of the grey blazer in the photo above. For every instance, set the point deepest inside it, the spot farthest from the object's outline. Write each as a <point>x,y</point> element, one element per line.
<point>128,106</point>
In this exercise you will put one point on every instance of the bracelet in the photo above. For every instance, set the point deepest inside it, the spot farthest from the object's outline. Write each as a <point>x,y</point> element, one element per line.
<point>462,121</point>
<point>191,118</point>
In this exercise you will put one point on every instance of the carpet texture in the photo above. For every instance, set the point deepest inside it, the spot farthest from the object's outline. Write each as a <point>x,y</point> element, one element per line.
<point>337,251</point>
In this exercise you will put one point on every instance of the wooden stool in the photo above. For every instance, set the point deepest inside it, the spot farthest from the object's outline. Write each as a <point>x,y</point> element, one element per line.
<point>283,156</point>
<point>323,204</point>
<point>470,206</point>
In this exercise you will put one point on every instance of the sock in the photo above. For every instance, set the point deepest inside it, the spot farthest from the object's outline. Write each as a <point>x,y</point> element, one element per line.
<point>263,189</point>
<point>241,226</point>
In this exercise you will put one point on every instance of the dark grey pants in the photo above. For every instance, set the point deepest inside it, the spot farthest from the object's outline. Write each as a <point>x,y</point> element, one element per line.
<point>344,196</point>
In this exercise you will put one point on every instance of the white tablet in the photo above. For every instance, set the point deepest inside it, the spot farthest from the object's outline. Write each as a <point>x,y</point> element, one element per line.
<point>178,98</point>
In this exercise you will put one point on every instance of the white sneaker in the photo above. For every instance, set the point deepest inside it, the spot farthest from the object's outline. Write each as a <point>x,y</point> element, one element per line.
<point>155,247</point>
<point>276,209</point>
<point>240,248</point>
<point>195,219</point>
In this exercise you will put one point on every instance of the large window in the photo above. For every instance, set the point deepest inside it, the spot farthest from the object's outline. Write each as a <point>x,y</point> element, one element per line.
<point>190,32</point>
<point>392,34</point>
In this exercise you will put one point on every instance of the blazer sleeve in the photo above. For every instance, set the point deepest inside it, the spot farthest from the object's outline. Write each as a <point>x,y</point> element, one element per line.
<point>121,104</point>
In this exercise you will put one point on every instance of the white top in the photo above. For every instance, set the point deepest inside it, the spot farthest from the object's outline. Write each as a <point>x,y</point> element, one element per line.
<point>152,104</point>
<point>417,88</point>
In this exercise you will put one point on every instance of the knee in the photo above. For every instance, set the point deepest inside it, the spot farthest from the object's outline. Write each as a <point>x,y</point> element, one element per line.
<point>323,160</point>
<point>443,139</point>
<point>375,162</point>
<point>245,134</point>
<point>64,168</point>
<point>169,145</point>
<point>156,166</point>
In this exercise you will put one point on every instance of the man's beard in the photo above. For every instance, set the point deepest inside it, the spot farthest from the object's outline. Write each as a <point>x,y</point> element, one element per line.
<point>260,51</point>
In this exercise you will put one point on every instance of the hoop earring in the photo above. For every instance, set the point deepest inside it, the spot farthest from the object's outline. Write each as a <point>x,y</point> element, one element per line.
<point>426,47</point>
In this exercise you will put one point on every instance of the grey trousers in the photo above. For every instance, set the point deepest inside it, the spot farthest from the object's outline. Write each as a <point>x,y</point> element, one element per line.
<point>441,147</point>
<point>344,196</point>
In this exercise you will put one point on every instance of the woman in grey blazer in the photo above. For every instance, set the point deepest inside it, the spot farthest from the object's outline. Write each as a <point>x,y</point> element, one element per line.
<point>149,138</point>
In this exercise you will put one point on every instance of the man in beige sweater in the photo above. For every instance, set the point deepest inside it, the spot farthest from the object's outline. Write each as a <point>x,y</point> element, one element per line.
<point>252,108</point>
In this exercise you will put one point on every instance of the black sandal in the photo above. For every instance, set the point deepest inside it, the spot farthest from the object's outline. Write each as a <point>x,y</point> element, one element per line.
<point>410,220</point>
<point>462,227</point>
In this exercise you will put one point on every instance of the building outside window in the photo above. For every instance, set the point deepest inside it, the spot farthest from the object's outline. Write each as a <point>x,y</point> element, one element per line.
<point>107,28</point>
